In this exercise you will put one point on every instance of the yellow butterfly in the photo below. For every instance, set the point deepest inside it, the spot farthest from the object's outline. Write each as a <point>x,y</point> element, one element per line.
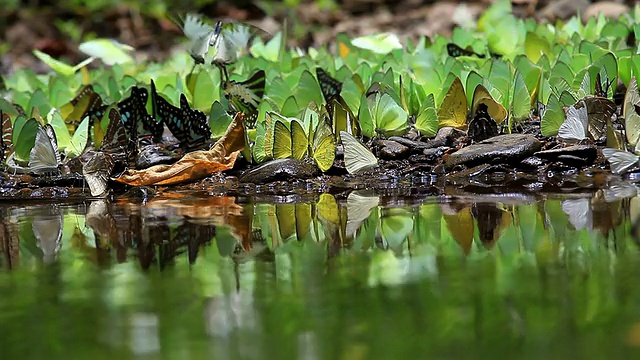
<point>290,143</point>
<point>454,110</point>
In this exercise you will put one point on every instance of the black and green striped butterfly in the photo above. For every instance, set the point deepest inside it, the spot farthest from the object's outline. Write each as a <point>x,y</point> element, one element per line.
<point>85,102</point>
<point>455,51</point>
<point>188,125</point>
<point>6,145</point>
<point>330,87</point>
<point>245,96</point>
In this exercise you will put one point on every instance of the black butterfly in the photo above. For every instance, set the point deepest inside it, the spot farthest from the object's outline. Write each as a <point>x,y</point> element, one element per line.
<point>194,130</point>
<point>330,87</point>
<point>116,141</point>
<point>455,51</point>
<point>602,90</point>
<point>482,126</point>
<point>134,115</point>
<point>6,145</point>
<point>188,125</point>
<point>245,96</point>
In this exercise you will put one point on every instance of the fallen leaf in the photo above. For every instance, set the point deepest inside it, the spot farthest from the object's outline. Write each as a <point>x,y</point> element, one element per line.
<point>195,165</point>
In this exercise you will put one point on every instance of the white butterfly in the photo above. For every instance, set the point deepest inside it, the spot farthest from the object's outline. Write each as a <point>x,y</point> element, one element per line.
<point>229,40</point>
<point>621,161</point>
<point>576,123</point>
<point>200,36</point>
<point>631,116</point>
<point>357,157</point>
<point>45,156</point>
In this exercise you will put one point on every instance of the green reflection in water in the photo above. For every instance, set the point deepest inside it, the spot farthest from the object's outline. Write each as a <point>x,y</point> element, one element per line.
<point>345,277</point>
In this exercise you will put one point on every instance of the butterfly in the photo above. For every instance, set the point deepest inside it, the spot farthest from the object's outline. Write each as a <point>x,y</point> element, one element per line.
<point>75,110</point>
<point>96,172</point>
<point>200,36</point>
<point>631,114</point>
<point>6,145</point>
<point>454,110</point>
<point>482,126</point>
<point>134,115</point>
<point>620,161</point>
<point>245,96</point>
<point>194,130</point>
<point>323,145</point>
<point>357,157</point>
<point>113,150</point>
<point>455,51</point>
<point>330,87</point>
<point>292,143</point>
<point>576,123</point>
<point>229,39</point>
<point>45,156</point>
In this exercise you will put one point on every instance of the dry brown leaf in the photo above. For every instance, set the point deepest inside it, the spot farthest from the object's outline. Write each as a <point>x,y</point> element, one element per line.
<point>194,165</point>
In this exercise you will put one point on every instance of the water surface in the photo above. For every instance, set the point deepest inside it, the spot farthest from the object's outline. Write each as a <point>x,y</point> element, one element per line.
<point>343,276</point>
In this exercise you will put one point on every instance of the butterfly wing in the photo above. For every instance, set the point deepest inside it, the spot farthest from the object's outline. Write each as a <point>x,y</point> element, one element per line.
<point>620,160</point>
<point>630,113</point>
<point>282,144</point>
<point>96,172</point>
<point>599,111</point>
<point>6,143</point>
<point>453,110</point>
<point>86,102</point>
<point>44,156</point>
<point>576,123</point>
<point>357,157</point>
<point>245,97</point>
<point>330,87</point>
<point>482,96</point>
<point>299,140</point>
<point>455,51</point>
<point>116,140</point>
<point>324,145</point>
<point>195,128</point>
<point>199,35</point>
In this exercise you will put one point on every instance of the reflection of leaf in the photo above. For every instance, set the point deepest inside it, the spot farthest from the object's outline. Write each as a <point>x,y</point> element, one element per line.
<point>195,165</point>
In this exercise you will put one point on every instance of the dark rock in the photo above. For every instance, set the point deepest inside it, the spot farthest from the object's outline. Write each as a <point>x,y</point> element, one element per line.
<point>435,152</point>
<point>279,170</point>
<point>507,148</point>
<point>391,150</point>
<point>413,144</point>
<point>588,153</point>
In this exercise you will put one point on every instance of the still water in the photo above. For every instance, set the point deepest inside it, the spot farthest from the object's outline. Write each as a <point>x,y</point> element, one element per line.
<point>345,276</point>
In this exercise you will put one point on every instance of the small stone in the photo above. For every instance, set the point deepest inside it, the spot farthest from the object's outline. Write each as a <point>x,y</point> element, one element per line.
<point>508,148</point>
<point>391,150</point>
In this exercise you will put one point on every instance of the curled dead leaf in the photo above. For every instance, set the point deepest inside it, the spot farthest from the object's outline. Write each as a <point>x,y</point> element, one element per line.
<point>195,165</point>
